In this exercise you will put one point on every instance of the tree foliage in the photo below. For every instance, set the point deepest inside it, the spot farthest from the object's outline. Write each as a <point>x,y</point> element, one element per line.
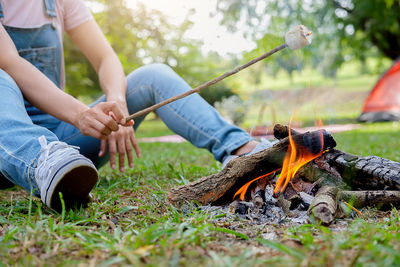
<point>374,22</point>
<point>141,36</point>
<point>342,28</point>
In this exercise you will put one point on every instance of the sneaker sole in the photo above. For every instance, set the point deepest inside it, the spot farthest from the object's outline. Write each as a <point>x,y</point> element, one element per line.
<point>74,180</point>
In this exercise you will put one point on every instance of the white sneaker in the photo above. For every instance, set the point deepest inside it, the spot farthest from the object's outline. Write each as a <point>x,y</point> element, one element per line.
<point>62,169</point>
<point>264,144</point>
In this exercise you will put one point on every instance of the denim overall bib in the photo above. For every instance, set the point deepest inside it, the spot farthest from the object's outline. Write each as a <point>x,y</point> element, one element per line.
<point>42,48</point>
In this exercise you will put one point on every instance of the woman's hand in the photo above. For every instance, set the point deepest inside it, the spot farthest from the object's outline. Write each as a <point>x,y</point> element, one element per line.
<point>122,142</point>
<point>101,120</point>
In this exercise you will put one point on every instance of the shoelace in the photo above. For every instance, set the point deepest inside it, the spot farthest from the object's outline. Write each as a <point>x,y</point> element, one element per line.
<point>50,154</point>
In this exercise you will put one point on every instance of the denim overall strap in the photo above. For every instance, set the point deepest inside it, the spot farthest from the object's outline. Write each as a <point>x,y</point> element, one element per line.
<point>50,6</point>
<point>1,11</point>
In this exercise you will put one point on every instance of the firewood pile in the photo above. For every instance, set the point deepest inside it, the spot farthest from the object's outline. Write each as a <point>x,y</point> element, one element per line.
<point>317,186</point>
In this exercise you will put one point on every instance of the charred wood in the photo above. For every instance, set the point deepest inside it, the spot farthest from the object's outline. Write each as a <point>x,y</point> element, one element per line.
<point>380,198</point>
<point>361,173</point>
<point>306,198</point>
<point>324,206</point>
<point>241,207</point>
<point>282,131</point>
<point>365,173</point>
<point>295,201</point>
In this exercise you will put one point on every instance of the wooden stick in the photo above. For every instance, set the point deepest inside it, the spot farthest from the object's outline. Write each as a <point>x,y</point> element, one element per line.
<point>324,206</point>
<point>360,199</point>
<point>204,85</point>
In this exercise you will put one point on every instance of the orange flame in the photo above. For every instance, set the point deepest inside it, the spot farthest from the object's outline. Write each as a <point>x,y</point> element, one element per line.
<point>294,160</point>
<point>242,191</point>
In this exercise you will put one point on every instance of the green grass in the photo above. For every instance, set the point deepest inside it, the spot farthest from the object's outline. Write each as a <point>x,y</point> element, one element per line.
<point>152,128</point>
<point>381,139</point>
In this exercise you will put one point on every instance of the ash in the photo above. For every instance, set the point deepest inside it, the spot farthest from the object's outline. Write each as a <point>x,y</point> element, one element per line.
<point>263,208</point>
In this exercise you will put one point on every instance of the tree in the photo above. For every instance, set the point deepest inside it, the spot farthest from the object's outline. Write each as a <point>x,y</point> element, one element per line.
<point>374,21</point>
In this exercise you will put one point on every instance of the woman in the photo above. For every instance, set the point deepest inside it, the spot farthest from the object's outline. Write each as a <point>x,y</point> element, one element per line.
<point>39,127</point>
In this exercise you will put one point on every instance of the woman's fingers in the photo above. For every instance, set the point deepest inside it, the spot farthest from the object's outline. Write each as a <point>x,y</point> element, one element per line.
<point>101,127</point>
<point>135,145</point>
<point>103,148</point>
<point>95,133</point>
<point>121,154</point>
<point>112,108</point>
<point>112,150</point>
<point>122,142</point>
<point>129,152</point>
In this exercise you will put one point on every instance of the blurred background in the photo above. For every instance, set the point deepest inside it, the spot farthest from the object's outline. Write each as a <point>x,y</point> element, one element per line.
<point>354,43</point>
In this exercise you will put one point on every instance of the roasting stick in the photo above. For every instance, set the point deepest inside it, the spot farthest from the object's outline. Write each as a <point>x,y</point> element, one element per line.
<point>297,37</point>
<point>204,85</point>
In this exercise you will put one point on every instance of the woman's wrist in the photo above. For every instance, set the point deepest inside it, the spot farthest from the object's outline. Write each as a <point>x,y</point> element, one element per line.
<point>77,115</point>
<point>120,101</point>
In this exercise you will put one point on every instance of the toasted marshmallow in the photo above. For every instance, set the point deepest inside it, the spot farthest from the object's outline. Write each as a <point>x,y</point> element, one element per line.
<point>298,37</point>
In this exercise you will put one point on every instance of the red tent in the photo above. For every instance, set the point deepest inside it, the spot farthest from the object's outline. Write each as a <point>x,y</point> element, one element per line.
<point>383,102</point>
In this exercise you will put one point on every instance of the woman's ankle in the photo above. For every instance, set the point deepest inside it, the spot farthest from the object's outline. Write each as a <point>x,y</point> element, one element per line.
<point>246,148</point>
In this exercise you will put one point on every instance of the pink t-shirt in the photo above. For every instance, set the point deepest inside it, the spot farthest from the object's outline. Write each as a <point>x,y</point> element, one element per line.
<point>32,14</point>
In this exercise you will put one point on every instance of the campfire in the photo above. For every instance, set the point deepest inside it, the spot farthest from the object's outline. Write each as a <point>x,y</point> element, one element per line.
<point>301,178</point>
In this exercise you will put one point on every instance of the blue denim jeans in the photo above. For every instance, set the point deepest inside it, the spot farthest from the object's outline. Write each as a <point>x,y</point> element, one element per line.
<point>191,117</point>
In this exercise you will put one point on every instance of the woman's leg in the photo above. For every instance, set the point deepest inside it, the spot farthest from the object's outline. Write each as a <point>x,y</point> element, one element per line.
<point>191,117</point>
<point>19,145</point>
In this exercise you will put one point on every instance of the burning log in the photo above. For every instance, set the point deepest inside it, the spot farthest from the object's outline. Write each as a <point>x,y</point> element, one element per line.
<point>282,131</point>
<point>365,173</point>
<point>325,205</point>
<point>219,188</point>
<point>306,198</point>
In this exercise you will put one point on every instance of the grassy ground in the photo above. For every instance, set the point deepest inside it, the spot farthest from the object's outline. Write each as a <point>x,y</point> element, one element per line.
<point>131,223</point>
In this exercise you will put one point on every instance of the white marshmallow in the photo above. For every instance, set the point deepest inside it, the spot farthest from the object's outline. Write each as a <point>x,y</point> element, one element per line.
<point>298,37</point>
